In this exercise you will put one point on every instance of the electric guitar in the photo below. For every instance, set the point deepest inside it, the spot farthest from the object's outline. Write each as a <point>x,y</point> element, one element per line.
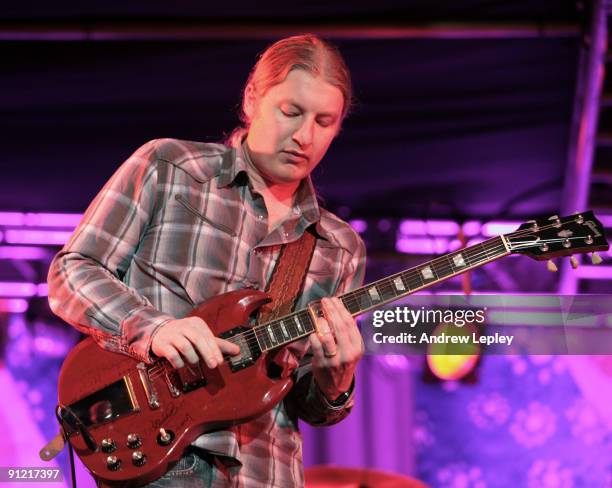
<point>129,422</point>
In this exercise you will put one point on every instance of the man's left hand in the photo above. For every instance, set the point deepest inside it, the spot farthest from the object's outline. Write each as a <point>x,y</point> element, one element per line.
<point>337,348</point>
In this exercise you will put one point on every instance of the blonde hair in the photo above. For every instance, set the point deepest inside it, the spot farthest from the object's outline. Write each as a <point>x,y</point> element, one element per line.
<point>307,52</point>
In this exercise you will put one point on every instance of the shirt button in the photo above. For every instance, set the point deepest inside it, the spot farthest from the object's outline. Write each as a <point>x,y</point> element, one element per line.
<point>296,210</point>
<point>260,217</point>
<point>286,234</point>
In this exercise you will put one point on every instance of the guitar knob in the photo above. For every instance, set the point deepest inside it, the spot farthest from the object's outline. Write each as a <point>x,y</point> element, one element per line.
<point>165,437</point>
<point>113,463</point>
<point>138,458</point>
<point>133,441</point>
<point>552,267</point>
<point>596,258</point>
<point>574,262</point>
<point>108,445</point>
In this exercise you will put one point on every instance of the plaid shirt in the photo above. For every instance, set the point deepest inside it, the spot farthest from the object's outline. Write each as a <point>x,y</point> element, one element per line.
<point>177,224</point>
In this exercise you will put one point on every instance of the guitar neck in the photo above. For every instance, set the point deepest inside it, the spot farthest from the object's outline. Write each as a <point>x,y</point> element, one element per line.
<point>294,326</point>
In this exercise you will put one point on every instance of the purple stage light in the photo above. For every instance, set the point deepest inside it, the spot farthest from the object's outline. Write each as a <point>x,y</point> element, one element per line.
<point>52,220</point>
<point>454,245</point>
<point>412,227</point>
<point>499,227</point>
<point>11,218</point>
<point>471,228</point>
<point>594,272</point>
<point>20,219</point>
<point>23,252</point>
<point>606,220</point>
<point>17,289</point>
<point>428,227</point>
<point>416,245</point>
<point>474,241</point>
<point>50,237</point>
<point>360,226</point>
<point>13,305</point>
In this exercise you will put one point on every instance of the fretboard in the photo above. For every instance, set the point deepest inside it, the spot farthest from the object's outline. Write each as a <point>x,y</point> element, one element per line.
<point>289,328</point>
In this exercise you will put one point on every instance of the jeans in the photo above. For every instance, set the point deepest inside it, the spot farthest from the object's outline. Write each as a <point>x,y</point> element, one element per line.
<point>193,470</point>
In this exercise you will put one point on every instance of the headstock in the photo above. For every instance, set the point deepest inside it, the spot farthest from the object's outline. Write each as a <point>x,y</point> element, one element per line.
<point>548,238</point>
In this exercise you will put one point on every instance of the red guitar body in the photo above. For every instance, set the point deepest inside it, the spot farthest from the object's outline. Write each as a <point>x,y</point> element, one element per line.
<point>120,396</point>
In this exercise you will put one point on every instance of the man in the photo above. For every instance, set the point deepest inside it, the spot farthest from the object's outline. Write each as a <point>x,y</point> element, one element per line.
<point>180,222</point>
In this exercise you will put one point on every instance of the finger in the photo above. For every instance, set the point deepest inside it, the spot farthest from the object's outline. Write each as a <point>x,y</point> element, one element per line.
<point>317,348</point>
<point>326,338</point>
<point>352,330</point>
<point>228,347</point>
<point>337,323</point>
<point>202,337</point>
<point>184,346</point>
<point>172,355</point>
<point>206,352</point>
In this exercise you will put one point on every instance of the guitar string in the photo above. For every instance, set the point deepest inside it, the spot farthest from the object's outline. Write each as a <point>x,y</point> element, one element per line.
<point>350,300</point>
<point>251,336</point>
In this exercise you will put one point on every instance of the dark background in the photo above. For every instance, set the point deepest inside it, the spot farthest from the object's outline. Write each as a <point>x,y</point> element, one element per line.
<point>444,127</point>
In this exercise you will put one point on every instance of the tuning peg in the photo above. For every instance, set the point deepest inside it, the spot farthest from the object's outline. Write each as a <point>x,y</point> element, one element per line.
<point>556,221</point>
<point>596,258</point>
<point>574,262</point>
<point>552,267</point>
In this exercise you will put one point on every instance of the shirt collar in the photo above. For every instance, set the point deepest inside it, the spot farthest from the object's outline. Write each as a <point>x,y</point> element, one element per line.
<point>234,163</point>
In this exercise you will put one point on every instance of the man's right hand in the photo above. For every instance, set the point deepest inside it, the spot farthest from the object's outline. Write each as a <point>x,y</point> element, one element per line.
<point>190,339</point>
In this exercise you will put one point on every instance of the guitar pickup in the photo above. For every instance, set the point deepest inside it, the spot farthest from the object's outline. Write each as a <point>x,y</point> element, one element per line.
<point>249,348</point>
<point>190,377</point>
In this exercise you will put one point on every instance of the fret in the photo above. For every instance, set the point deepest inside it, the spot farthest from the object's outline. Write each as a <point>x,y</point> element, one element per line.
<point>387,290</point>
<point>449,264</point>
<point>427,273</point>
<point>374,295</point>
<point>458,261</point>
<point>364,300</point>
<point>298,324</point>
<point>284,329</point>
<point>262,338</point>
<point>441,269</point>
<point>490,248</point>
<point>291,326</point>
<point>477,254</point>
<point>413,279</point>
<point>306,321</point>
<point>399,284</point>
<point>351,303</point>
<point>271,334</point>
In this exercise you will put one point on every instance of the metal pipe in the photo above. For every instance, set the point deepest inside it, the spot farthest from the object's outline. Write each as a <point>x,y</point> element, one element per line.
<point>189,30</point>
<point>584,128</point>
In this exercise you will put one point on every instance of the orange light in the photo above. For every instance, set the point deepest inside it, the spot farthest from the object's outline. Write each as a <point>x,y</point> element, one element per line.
<point>450,361</point>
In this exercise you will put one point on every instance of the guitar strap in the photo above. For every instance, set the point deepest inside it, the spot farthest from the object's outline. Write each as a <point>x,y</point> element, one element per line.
<point>288,276</point>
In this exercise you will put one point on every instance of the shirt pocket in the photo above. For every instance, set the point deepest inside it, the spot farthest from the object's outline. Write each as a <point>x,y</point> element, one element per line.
<point>197,244</point>
<point>190,208</point>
